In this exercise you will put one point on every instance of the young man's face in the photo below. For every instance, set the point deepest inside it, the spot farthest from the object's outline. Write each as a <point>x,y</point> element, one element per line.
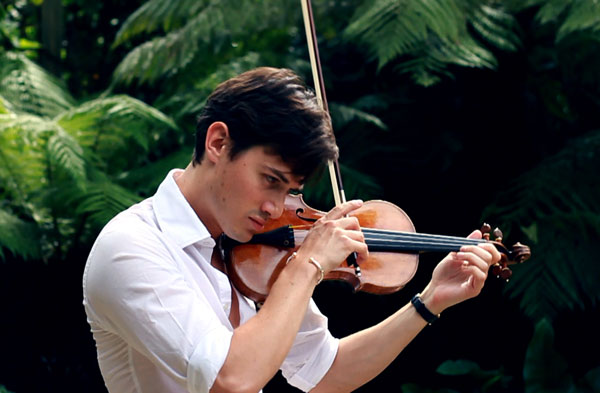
<point>251,189</point>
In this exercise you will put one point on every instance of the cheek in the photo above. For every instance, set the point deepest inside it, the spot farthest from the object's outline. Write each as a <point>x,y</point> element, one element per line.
<point>235,191</point>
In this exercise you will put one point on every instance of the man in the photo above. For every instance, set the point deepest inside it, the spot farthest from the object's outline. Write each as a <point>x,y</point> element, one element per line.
<point>158,299</point>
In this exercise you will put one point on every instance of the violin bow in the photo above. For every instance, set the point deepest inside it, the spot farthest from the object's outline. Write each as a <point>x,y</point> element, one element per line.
<point>317,72</point>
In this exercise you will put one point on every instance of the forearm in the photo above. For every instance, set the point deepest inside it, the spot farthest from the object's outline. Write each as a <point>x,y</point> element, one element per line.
<point>365,354</point>
<point>259,346</point>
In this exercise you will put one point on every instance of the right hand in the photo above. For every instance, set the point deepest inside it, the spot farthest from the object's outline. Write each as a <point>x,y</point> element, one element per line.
<point>334,237</point>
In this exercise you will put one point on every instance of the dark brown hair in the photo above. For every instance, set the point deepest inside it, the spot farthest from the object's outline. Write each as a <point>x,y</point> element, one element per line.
<point>270,107</point>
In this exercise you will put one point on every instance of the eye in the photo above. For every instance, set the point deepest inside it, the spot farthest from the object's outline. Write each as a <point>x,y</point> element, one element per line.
<point>271,179</point>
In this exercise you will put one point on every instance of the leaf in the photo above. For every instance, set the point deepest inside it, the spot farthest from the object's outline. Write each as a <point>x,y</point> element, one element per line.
<point>458,367</point>
<point>102,201</point>
<point>146,179</point>
<point>29,88</point>
<point>342,114</point>
<point>424,37</point>
<point>118,130</point>
<point>545,371</point>
<point>19,237</point>
<point>209,28</point>
<point>66,154</point>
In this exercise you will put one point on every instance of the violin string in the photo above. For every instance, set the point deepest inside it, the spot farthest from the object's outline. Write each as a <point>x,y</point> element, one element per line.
<point>386,240</point>
<point>379,233</point>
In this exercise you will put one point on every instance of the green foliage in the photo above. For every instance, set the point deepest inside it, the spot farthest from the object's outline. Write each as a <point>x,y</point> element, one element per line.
<point>67,167</point>
<point>547,371</point>
<point>429,36</point>
<point>18,236</point>
<point>60,161</point>
<point>556,206</point>
<point>28,88</point>
<point>209,29</point>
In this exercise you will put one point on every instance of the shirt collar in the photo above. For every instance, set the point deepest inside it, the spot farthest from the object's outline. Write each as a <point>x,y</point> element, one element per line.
<point>176,217</point>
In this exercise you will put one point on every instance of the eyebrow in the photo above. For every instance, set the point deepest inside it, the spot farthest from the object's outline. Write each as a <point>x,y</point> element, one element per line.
<point>281,176</point>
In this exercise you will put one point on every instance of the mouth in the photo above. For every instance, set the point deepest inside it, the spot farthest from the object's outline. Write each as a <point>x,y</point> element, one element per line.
<point>257,223</point>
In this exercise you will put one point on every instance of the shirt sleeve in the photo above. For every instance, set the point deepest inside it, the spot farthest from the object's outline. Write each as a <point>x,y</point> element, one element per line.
<point>133,287</point>
<point>312,353</point>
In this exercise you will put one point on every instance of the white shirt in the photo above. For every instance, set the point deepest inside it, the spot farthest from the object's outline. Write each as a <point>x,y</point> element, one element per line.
<point>158,309</point>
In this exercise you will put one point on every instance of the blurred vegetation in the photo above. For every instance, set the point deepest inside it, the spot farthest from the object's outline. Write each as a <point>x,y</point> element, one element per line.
<point>458,111</point>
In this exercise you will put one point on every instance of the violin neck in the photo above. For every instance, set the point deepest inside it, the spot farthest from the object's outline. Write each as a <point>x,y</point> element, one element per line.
<point>395,241</point>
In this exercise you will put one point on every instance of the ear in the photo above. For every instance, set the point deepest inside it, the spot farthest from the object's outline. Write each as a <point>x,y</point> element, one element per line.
<point>217,141</point>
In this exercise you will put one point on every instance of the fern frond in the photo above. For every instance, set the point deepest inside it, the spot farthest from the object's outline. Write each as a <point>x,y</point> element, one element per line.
<point>67,155</point>
<point>110,127</point>
<point>208,32</point>
<point>5,106</point>
<point>552,10</point>
<point>103,200</point>
<point>496,26</point>
<point>157,14</point>
<point>361,186</point>
<point>19,237</point>
<point>430,35</point>
<point>29,88</point>
<point>22,157</point>
<point>38,142</point>
<point>191,100</point>
<point>342,114</point>
<point>145,180</point>
<point>582,15</point>
<point>556,205</point>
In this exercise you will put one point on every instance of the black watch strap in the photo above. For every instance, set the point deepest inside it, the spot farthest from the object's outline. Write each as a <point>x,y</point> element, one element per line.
<point>422,310</point>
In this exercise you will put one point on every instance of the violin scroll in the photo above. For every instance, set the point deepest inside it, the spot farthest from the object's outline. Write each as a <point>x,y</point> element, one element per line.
<point>519,253</point>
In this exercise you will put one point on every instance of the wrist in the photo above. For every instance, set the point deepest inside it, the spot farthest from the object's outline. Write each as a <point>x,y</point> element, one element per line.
<point>431,301</point>
<point>308,261</point>
<point>422,309</point>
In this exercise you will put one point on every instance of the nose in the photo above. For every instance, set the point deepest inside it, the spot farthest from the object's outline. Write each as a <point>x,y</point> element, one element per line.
<point>274,208</point>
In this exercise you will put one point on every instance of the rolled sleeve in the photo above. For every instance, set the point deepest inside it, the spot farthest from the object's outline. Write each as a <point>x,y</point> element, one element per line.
<point>202,370</point>
<point>312,353</point>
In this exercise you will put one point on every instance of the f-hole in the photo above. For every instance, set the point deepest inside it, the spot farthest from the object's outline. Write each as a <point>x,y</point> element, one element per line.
<point>300,210</point>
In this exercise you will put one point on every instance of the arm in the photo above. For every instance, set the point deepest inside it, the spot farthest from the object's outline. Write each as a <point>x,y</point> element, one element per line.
<point>259,346</point>
<point>363,355</point>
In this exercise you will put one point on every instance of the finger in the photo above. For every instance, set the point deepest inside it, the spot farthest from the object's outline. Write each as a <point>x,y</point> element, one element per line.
<point>484,250</point>
<point>342,210</point>
<point>348,223</point>
<point>472,258</point>
<point>476,280</point>
<point>356,244</point>
<point>476,234</point>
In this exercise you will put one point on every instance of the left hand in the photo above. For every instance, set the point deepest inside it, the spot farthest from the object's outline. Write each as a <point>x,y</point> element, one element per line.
<point>460,275</point>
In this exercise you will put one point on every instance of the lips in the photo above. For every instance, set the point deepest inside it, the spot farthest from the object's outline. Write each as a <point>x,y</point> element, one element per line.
<point>258,223</point>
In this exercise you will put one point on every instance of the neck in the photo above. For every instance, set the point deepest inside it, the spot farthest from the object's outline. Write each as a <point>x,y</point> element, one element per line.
<point>194,183</point>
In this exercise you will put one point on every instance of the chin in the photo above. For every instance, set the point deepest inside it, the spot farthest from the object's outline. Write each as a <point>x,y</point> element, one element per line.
<point>240,237</point>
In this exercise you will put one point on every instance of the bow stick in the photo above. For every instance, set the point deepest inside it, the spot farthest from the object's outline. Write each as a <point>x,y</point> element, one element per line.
<point>315,63</point>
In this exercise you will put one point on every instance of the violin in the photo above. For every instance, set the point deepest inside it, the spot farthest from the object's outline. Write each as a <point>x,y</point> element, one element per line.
<point>394,249</point>
<point>393,243</point>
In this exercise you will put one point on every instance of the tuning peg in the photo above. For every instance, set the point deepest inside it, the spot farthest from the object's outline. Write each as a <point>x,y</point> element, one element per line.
<point>496,270</point>
<point>498,234</point>
<point>485,230</point>
<point>506,273</point>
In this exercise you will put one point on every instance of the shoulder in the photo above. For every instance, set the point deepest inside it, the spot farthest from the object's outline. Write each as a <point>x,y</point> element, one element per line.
<point>128,245</point>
